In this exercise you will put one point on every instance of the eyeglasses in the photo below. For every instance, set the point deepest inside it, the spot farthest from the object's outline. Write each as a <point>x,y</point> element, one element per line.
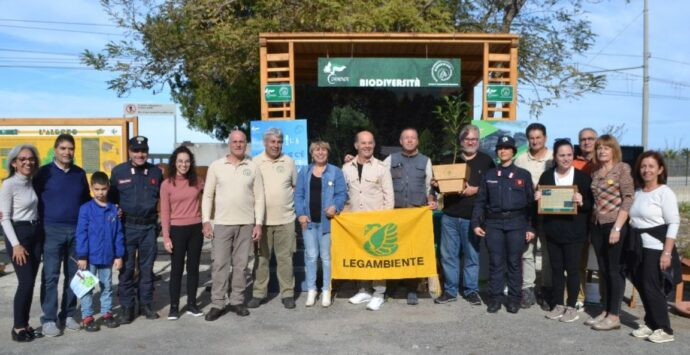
<point>23,159</point>
<point>471,140</point>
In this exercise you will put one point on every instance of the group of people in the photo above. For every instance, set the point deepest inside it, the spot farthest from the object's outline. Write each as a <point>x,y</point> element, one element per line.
<point>249,207</point>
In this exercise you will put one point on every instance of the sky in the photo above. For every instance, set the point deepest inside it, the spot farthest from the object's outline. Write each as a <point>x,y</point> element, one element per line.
<point>27,90</point>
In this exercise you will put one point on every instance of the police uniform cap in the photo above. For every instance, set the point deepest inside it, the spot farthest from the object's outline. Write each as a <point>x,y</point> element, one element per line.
<point>506,142</point>
<point>138,143</point>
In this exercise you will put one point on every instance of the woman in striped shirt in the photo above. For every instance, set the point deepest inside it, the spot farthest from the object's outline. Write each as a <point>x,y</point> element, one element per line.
<point>613,189</point>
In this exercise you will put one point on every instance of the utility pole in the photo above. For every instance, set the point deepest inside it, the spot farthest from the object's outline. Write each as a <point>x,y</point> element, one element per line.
<point>645,80</point>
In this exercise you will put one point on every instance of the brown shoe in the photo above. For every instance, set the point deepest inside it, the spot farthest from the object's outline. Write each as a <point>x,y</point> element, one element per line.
<point>592,321</point>
<point>607,324</point>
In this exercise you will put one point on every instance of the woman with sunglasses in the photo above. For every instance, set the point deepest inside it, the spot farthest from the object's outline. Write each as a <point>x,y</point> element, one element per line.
<point>19,208</point>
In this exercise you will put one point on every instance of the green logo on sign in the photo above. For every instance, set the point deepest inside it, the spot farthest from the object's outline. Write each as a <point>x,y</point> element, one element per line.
<point>442,71</point>
<point>499,93</point>
<point>278,93</point>
<point>382,240</point>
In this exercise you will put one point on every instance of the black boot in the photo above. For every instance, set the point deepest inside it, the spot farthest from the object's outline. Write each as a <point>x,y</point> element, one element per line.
<point>148,311</point>
<point>128,315</point>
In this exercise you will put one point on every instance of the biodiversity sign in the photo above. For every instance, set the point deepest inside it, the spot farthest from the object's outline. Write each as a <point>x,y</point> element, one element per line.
<point>382,245</point>
<point>389,72</point>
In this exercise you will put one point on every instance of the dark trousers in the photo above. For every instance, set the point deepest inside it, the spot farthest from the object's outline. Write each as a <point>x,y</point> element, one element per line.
<point>59,248</point>
<point>609,257</point>
<point>648,281</point>
<point>140,238</point>
<point>505,254</point>
<point>565,258</point>
<point>187,242</point>
<point>30,238</point>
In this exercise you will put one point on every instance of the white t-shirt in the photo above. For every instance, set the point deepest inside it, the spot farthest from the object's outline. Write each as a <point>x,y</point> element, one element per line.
<point>655,208</point>
<point>566,180</point>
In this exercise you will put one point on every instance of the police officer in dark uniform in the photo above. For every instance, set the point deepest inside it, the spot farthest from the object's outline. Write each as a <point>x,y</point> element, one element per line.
<point>501,214</point>
<point>135,187</point>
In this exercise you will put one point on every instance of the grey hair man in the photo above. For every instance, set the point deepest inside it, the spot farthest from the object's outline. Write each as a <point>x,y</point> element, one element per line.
<point>457,237</point>
<point>280,178</point>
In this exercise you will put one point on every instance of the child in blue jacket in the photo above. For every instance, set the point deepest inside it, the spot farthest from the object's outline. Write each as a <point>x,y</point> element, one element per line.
<point>100,247</point>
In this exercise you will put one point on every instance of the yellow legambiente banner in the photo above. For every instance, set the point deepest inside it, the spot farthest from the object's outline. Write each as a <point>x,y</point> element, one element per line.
<point>383,245</point>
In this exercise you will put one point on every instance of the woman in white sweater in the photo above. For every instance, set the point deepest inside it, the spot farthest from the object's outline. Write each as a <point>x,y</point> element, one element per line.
<point>19,208</point>
<point>655,220</point>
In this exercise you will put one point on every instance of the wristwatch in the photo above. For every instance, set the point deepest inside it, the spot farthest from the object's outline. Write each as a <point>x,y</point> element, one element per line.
<point>617,229</point>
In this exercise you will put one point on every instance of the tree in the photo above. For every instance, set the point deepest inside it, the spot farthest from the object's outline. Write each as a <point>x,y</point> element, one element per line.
<point>617,131</point>
<point>454,113</point>
<point>206,51</point>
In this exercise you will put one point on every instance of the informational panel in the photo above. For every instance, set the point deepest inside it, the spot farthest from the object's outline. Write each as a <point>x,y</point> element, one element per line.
<point>295,142</point>
<point>389,72</point>
<point>100,144</point>
<point>490,131</point>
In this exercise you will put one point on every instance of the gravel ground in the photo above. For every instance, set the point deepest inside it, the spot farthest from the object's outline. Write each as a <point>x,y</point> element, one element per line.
<point>456,328</point>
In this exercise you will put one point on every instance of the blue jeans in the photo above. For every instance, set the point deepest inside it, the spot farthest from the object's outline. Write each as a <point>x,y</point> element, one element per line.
<point>141,238</point>
<point>105,282</point>
<point>317,244</point>
<point>58,250</point>
<point>456,238</point>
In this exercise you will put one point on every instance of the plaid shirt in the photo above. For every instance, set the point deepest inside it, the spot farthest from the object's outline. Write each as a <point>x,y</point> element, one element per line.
<point>613,192</point>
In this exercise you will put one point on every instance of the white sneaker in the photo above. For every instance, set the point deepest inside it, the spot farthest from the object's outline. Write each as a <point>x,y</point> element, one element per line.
<point>360,298</point>
<point>660,336</point>
<point>375,303</point>
<point>643,331</point>
<point>325,298</point>
<point>311,298</point>
<point>579,306</point>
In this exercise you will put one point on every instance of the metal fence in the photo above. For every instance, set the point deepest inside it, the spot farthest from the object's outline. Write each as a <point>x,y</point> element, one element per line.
<point>679,177</point>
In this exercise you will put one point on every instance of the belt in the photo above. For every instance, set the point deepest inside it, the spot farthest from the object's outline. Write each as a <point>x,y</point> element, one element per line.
<point>140,220</point>
<point>505,215</point>
<point>25,223</point>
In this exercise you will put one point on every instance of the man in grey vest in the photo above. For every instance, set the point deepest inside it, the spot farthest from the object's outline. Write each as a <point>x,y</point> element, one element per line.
<point>411,173</point>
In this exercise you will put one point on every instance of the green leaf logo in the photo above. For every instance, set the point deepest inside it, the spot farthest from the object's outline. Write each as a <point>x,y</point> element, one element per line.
<point>382,240</point>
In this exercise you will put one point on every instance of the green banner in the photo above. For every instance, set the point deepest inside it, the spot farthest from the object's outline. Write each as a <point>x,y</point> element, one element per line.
<point>389,72</point>
<point>499,93</point>
<point>278,93</point>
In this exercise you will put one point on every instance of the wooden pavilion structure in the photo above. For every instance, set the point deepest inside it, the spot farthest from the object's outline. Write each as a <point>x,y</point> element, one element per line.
<point>291,58</point>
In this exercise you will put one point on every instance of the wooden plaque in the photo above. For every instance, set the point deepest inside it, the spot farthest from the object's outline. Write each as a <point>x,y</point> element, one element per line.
<point>557,200</point>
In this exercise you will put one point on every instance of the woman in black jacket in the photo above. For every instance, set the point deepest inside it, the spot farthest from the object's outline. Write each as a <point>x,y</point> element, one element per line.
<point>565,234</point>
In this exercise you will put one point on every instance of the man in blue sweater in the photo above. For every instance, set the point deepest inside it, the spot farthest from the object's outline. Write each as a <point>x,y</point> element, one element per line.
<point>61,188</point>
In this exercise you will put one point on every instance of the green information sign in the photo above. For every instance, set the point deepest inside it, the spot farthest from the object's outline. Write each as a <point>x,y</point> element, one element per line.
<point>278,93</point>
<point>389,72</point>
<point>499,93</point>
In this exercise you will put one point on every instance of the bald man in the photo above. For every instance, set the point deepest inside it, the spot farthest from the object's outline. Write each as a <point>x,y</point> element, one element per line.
<point>234,189</point>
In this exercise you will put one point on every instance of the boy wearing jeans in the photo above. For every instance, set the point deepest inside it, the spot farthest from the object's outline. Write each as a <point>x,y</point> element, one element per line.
<point>100,246</point>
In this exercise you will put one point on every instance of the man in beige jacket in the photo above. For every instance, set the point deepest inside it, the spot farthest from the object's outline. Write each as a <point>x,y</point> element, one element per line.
<point>369,188</point>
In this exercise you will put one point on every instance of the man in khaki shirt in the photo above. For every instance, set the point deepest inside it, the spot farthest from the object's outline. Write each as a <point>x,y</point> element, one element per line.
<point>536,160</point>
<point>235,189</point>
<point>369,188</point>
<point>280,177</point>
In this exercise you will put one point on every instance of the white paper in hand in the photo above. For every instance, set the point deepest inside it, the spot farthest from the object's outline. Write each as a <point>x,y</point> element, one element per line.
<point>83,282</point>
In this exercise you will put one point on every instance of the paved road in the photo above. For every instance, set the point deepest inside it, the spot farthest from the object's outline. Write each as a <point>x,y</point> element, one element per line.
<point>456,328</point>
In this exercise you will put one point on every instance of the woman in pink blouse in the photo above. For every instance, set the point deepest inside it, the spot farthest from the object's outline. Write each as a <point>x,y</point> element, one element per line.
<point>181,224</point>
<point>613,189</point>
